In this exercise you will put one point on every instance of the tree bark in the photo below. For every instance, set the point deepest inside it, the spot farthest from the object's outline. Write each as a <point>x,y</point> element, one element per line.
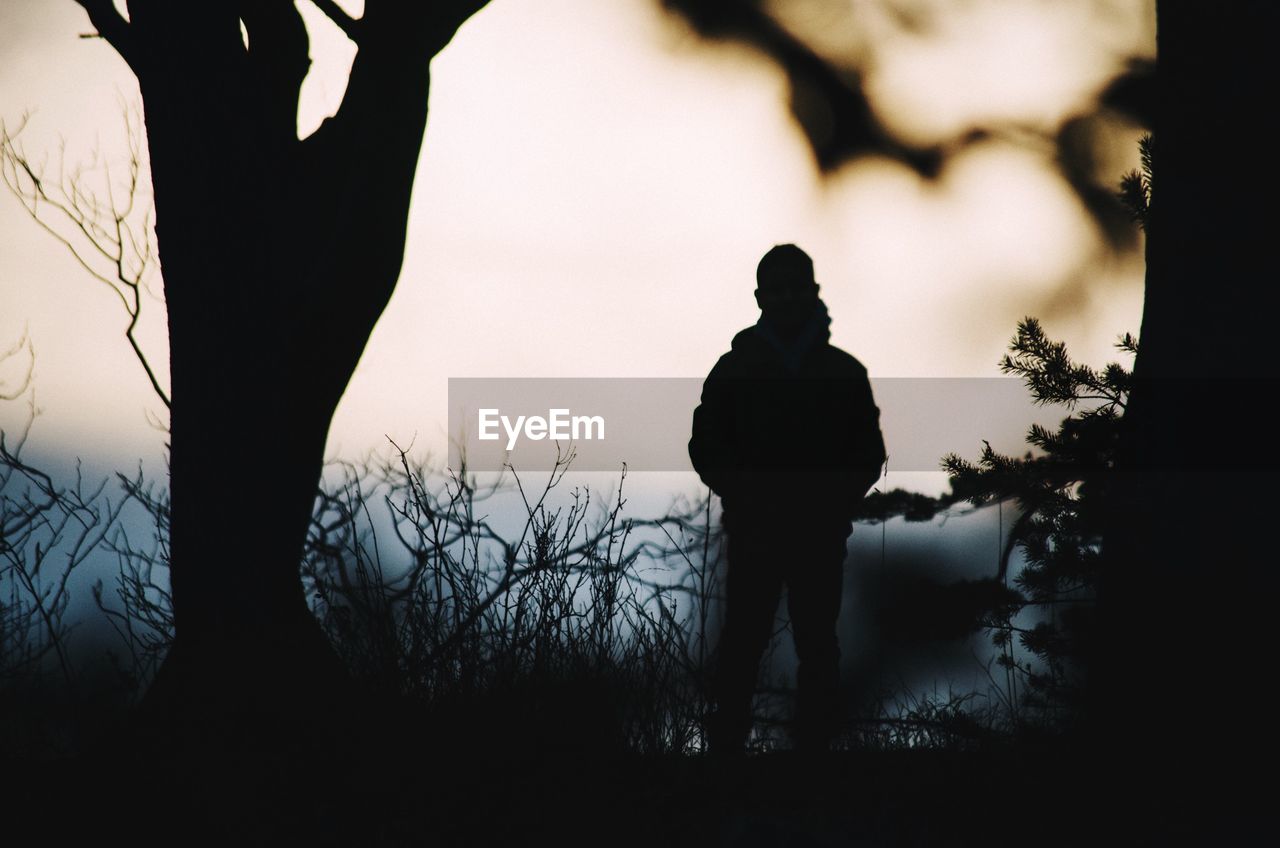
<point>278,257</point>
<point>1189,572</point>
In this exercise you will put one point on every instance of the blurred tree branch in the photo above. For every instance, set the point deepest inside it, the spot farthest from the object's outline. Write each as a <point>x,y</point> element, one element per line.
<point>102,223</point>
<point>829,102</point>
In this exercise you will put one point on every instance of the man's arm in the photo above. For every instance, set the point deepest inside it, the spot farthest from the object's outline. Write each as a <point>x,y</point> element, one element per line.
<point>713,445</point>
<point>868,454</point>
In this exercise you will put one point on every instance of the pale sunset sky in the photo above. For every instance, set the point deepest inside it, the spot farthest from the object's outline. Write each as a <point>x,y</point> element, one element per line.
<point>596,187</point>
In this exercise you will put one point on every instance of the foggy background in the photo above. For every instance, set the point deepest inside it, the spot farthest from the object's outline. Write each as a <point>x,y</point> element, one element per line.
<point>596,188</point>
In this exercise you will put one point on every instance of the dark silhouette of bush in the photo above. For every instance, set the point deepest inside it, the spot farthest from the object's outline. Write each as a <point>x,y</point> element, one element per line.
<point>1061,494</point>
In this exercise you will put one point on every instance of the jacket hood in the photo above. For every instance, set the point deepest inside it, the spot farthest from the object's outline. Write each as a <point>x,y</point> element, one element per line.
<point>815,332</point>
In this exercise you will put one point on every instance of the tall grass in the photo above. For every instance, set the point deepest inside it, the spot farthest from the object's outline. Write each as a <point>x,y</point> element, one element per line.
<point>473,604</point>
<point>431,601</point>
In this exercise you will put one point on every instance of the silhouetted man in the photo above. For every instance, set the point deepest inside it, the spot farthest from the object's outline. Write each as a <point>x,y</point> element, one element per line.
<point>788,434</point>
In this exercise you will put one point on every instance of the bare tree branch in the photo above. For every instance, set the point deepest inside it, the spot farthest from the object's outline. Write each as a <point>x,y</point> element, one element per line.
<point>104,236</point>
<point>23,344</point>
<point>279,58</point>
<point>349,25</point>
<point>112,28</point>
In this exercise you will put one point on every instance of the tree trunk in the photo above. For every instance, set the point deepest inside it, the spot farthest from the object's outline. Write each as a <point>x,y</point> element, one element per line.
<point>1188,563</point>
<point>278,256</point>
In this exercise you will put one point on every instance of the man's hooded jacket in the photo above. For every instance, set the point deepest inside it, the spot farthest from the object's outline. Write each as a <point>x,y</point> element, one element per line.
<point>788,430</point>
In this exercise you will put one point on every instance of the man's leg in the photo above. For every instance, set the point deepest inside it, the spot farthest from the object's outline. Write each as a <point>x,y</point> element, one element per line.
<point>753,587</point>
<point>815,581</point>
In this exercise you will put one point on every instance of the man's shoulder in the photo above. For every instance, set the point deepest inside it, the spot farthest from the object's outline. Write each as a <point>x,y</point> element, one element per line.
<point>747,345</point>
<point>749,355</point>
<point>844,362</point>
<point>745,336</point>
<point>742,351</point>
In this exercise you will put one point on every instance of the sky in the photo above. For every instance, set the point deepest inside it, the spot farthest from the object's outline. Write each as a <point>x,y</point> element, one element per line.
<point>596,187</point>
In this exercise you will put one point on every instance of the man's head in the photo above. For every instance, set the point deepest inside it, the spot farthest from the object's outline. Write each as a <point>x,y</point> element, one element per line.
<point>785,288</point>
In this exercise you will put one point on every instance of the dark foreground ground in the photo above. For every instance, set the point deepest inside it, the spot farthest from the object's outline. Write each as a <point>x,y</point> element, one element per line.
<point>343,790</point>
